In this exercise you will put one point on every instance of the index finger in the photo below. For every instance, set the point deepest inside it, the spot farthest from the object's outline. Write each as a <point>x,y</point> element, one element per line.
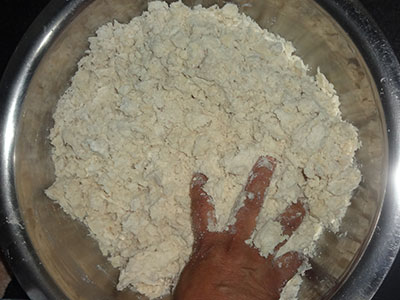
<point>257,183</point>
<point>202,209</point>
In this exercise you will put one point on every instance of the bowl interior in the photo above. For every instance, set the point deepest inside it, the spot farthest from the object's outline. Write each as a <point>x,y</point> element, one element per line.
<point>73,259</point>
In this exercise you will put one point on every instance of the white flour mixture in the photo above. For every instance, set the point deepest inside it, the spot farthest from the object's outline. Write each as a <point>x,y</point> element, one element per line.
<point>180,90</point>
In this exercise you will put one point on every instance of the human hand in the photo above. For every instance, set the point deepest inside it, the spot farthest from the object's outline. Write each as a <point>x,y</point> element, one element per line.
<point>222,266</point>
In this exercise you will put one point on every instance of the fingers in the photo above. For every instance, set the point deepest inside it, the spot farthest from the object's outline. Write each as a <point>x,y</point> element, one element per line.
<point>258,181</point>
<point>202,210</point>
<point>290,220</point>
<point>292,217</point>
<point>288,265</point>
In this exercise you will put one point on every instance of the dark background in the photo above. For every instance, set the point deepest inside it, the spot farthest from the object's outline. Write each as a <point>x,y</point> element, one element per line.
<point>17,15</point>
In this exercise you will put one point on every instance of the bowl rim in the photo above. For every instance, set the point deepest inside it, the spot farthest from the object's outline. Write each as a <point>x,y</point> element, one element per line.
<point>384,244</point>
<point>15,244</point>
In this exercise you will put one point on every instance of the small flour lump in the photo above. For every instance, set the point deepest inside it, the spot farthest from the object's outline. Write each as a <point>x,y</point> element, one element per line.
<point>180,90</point>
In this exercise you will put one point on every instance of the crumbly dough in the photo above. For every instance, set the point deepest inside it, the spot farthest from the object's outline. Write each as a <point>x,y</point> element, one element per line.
<point>180,90</point>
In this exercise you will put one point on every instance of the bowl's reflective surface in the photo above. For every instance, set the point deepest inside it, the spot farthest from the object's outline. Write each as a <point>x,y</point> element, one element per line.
<point>73,259</point>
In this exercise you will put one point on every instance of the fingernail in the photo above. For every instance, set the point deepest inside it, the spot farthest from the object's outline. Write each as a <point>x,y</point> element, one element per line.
<point>266,162</point>
<point>198,179</point>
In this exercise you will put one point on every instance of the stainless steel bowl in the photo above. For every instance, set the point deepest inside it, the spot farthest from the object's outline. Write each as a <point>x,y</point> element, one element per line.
<point>52,255</point>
